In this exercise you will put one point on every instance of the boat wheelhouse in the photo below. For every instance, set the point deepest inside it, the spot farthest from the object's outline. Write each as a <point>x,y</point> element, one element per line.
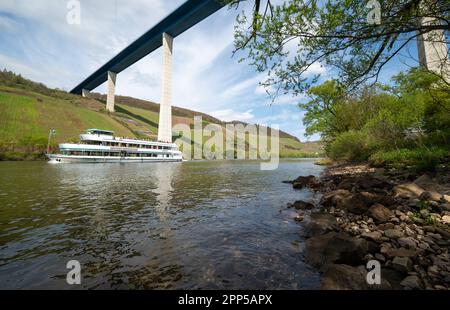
<point>97,146</point>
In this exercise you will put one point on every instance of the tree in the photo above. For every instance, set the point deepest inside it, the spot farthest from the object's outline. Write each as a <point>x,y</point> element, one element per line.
<point>321,110</point>
<point>286,40</point>
<point>412,112</point>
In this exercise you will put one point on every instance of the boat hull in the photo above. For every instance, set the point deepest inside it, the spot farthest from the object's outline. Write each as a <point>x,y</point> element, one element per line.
<point>67,159</point>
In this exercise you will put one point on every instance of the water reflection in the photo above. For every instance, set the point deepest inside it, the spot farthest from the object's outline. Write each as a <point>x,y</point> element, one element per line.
<point>167,225</point>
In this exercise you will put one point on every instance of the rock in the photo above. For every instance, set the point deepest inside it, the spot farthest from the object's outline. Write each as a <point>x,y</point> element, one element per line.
<point>430,195</point>
<point>433,271</point>
<point>423,261</point>
<point>405,218</point>
<point>371,182</point>
<point>424,213</point>
<point>446,219</point>
<point>409,232</point>
<point>299,218</point>
<point>347,184</point>
<point>393,233</point>
<point>308,181</point>
<point>334,198</point>
<point>443,233</point>
<point>407,242</point>
<point>380,257</point>
<point>424,180</point>
<point>387,200</point>
<point>402,264</point>
<point>386,226</point>
<point>408,190</point>
<point>399,213</point>
<point>401,252</point>
<point>344,277</point>
<point>358,203</point>
<point>434,236</point>
<point>393,277</point>
<point>428,228</point>
<point>423,246</point>
<point>336,247</point>
<point>379,213</point>
<point>412,283</point>
<point>446,198</point>
<point>372,235</point>
<point>320,223</point>
<point>395,220</point>
<point>302,205</point>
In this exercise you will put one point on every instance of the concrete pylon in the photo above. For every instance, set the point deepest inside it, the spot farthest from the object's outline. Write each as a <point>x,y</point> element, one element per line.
<point>433,51</point>
<point>165,110</point>
<point>84,93</point>
<point>111,91</point>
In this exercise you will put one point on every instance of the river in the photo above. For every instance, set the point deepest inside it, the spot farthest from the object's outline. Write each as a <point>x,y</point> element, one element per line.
<point>190,225</point>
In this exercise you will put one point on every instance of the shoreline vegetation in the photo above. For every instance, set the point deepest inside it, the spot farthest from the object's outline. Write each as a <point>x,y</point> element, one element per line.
<point>28,110</point>
<point>397,216</point>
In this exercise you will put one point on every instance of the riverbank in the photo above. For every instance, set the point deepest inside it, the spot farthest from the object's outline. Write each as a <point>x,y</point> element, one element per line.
<point>22,156</point>
<point>400,219</point>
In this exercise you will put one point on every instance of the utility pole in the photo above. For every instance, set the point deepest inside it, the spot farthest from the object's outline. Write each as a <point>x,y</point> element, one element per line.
<point>50,135</point>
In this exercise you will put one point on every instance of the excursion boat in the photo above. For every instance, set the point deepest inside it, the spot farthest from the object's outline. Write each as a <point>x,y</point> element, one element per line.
<point>101,146</point>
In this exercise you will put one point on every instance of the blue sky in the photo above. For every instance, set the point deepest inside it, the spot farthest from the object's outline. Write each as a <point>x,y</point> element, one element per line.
<point>37,42</point>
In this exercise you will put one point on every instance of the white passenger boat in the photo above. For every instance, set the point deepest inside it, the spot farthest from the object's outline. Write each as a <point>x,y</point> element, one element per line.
<point>100,146</point>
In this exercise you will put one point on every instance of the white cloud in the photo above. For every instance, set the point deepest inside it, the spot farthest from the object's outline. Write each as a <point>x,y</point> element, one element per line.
<point>229,115</point>
<point>17,66</point>
<point>316,68</point>
<point>7,24</point>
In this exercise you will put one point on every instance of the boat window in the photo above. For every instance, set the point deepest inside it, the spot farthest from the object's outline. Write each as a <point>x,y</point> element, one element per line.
<point>100,132</point>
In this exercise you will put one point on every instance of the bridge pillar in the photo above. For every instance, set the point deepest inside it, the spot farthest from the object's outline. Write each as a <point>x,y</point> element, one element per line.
<point>85,93</point>
<point>165,110</point>
<point>111,91</point>
<point>433,51</point>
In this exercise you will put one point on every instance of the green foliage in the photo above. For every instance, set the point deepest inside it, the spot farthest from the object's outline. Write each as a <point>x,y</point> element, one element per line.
<point>20,156</point>
<point>324,162</point>
<point>9,78</point>
<point>422,159</point>
<point>352,145</point>
<point>288,38</point>
<point>321,110</point>
<point>404,124</point>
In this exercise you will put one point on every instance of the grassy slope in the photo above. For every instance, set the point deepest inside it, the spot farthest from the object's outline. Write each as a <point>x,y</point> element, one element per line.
<point>26,116</point>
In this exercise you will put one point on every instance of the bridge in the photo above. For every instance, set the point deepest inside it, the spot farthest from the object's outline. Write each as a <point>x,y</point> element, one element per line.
<point>187,15</point>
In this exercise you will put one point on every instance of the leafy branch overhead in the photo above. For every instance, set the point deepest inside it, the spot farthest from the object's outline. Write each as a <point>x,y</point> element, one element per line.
<point>286,40</point>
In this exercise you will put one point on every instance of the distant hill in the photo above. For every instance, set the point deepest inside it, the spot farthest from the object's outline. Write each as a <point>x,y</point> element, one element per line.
<point>28,110</point>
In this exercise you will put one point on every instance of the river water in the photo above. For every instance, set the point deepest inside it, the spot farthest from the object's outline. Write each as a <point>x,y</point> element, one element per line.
<point>190,225</point>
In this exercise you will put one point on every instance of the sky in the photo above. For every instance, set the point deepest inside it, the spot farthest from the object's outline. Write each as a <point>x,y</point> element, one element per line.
<point>37,41</point>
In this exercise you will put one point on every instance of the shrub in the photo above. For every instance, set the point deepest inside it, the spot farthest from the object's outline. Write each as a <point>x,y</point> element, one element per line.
<point>353,145</point>
<point>420,159</point>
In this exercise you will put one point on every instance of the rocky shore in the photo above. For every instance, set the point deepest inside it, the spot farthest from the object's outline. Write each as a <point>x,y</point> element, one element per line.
<point>397,218</point>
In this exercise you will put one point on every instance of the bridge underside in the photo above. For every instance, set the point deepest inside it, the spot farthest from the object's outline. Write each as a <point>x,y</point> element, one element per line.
<point>183,18</point>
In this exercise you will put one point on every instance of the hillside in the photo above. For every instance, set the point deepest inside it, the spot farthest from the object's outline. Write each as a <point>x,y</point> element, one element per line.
<point>28,110</point>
